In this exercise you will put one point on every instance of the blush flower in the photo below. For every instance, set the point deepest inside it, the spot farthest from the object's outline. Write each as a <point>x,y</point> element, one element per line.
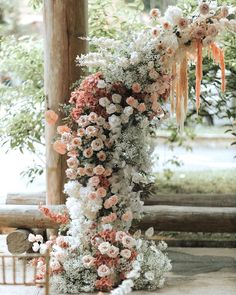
<point>155,13</point>
<point>99,170</point>
<point>97,144</point>
<point>59,147</point>
<point>94,181</point>
<point>128,242</point>
<point>88,260</point>
<point>127,216</point>
<point>101,156</point>
<point>104,247</point>
<point>204,8</point>
<point>63,129</point>
<point>136,88</point>
<point>101,192</point>
<point>126,253</point>
<point>51,117</point>
<point>113,252</point>
<point>88,152</point>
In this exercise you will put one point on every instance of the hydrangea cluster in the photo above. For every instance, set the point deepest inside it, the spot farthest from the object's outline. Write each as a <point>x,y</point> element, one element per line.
<point>108,143</point>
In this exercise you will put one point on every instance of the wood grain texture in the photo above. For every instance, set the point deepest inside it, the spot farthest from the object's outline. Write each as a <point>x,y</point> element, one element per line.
<point>26,199</point>
<point>64,23</point>
<point>192,219</point>
<point>17,241</point>
<point>168,218</point>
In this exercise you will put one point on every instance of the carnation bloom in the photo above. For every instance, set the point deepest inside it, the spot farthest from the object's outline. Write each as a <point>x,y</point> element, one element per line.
<point>59,147</point>
<point>51,117</point>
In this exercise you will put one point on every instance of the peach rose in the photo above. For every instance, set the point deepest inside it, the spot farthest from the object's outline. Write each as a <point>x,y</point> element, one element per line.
<point>92,196</point>
<point>89,169</point>
<point>155,32</point>
<point>76,141</point>
<point>113,200</point>
<point>81,171</point>
<point>136,88</point>
<point>59,147</point>
<point>93,117</point>
<point>127,216</point>
<point>155,12</point>
<point>99,170</point>
<point>97,144</point>
<point>166,26</point>
<point>132,101</point>
<point>81,132</point>
<point>88,152</point>
<point>204,8</point>
<point>182,23</point>
<point>72,163</point>
<point>71,173</point>
<point>110,218</point>
<point>108,172</point>
<point>141,107</point>
<point>94,181</point>
<point>101,156</point>
<point>101,192</point>
<point>63,129</point>
<point>113,252</point>
<point>51,117</point>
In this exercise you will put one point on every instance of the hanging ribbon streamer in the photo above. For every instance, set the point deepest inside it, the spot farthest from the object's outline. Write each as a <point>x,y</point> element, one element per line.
<point>198,73</point>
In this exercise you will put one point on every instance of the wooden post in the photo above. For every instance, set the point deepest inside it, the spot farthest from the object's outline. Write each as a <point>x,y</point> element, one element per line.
<point>64,23</point>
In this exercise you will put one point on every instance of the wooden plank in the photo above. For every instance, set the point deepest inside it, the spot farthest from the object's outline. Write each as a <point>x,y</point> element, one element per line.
<point>64,23</point>
<point>26,199</point>
<point>163,218</point>
<point>205,200</point>
<point>192,219</point>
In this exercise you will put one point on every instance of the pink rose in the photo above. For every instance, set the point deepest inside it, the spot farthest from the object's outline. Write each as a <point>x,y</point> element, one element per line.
<point>113,252</point>
<point>88,260</point>
<point>76,141</point>
<point>92,196</point>
<point>136,88</point>
<point>59,147</point>
<point>128,241</point>
<point>71,173</point>
<point>81,171</point>
<point>63,129</point>
<point>132,101</point>
<point>89,169</point>
<point>60,241</point>
<point>120,235</point>
<point>81,132</point>
<point>182,23</point>
<point>155,12</point>
<point>108,172</point>
<point>94,181</point>
<point>110,218</point>
<point>155,32</point>
<point>72,163</point>
<point>111,202</point>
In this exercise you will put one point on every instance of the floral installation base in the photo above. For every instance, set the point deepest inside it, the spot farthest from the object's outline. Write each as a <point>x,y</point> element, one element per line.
<point>107,137</point>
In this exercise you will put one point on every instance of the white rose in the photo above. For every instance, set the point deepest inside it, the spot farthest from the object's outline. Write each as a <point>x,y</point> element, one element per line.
<point>116,98</point>
<point>101,84</point>
<point>97,144</point>
<point>126,253</point>
<point>114,121</point>
<point>113,252</point>
<point>128,110</point>
<point>104,102</point>
<point>43,249</point>
<point>128,241</point>
<point>104,247</point>
<point>31,238</point>
<point>111,108</point>
<point>103,271</point>
<point>88,260</point>
<point>39,238</point>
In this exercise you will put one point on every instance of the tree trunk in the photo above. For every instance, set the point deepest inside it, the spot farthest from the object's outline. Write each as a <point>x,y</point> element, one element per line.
<point>64,23</point>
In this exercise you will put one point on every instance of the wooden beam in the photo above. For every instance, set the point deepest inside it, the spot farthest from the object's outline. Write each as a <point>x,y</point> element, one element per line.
<point>24,216</point>
<point>201,200</point>
<point>190,219</point>
<point>162,218</point>
<point>64,23</point>
<point>204,200</point>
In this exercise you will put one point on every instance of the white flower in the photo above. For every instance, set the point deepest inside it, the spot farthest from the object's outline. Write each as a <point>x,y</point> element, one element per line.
<point>114,121</point>
<point>128,110</point>
<point>128,241</point>
<point>149,275</point>
<point>111,108</point>
<point>31,238</point>
<point>173,14</point>
<point>149,232</point>
<point>113,252</point>
<point>103,271</point>
<point>43,248</point>
<point>88,260</point>
<point>101,84</point>
<point>116,98</point>
<point>104,247</point>
<point>162,246</point>
<point>36,247</point>
<point>72,189</point>
<point>104,102</point>
<point>134,58</point>
<point>126,253</point>
<point>39,238</point>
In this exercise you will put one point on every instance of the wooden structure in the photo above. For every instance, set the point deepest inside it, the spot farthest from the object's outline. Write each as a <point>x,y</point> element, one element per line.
<point>64,23</point>
<point>23,280</point>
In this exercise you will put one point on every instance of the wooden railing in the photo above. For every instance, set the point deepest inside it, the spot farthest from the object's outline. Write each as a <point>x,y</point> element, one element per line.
<point>11,277</point>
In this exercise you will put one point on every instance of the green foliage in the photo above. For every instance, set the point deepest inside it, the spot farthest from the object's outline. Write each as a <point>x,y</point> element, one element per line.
<point>22,98</point>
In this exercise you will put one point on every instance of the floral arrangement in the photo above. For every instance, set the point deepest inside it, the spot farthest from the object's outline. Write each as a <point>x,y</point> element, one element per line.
<point>107,139</point>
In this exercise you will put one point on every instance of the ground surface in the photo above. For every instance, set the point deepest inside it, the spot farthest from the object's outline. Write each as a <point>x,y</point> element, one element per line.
<point>196,271</point>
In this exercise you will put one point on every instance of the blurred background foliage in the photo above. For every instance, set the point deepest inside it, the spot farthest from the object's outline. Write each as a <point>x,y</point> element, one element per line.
<point>21,64</point>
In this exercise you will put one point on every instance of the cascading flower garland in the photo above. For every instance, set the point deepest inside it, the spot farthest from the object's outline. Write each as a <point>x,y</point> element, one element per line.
<point>108,142</point>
